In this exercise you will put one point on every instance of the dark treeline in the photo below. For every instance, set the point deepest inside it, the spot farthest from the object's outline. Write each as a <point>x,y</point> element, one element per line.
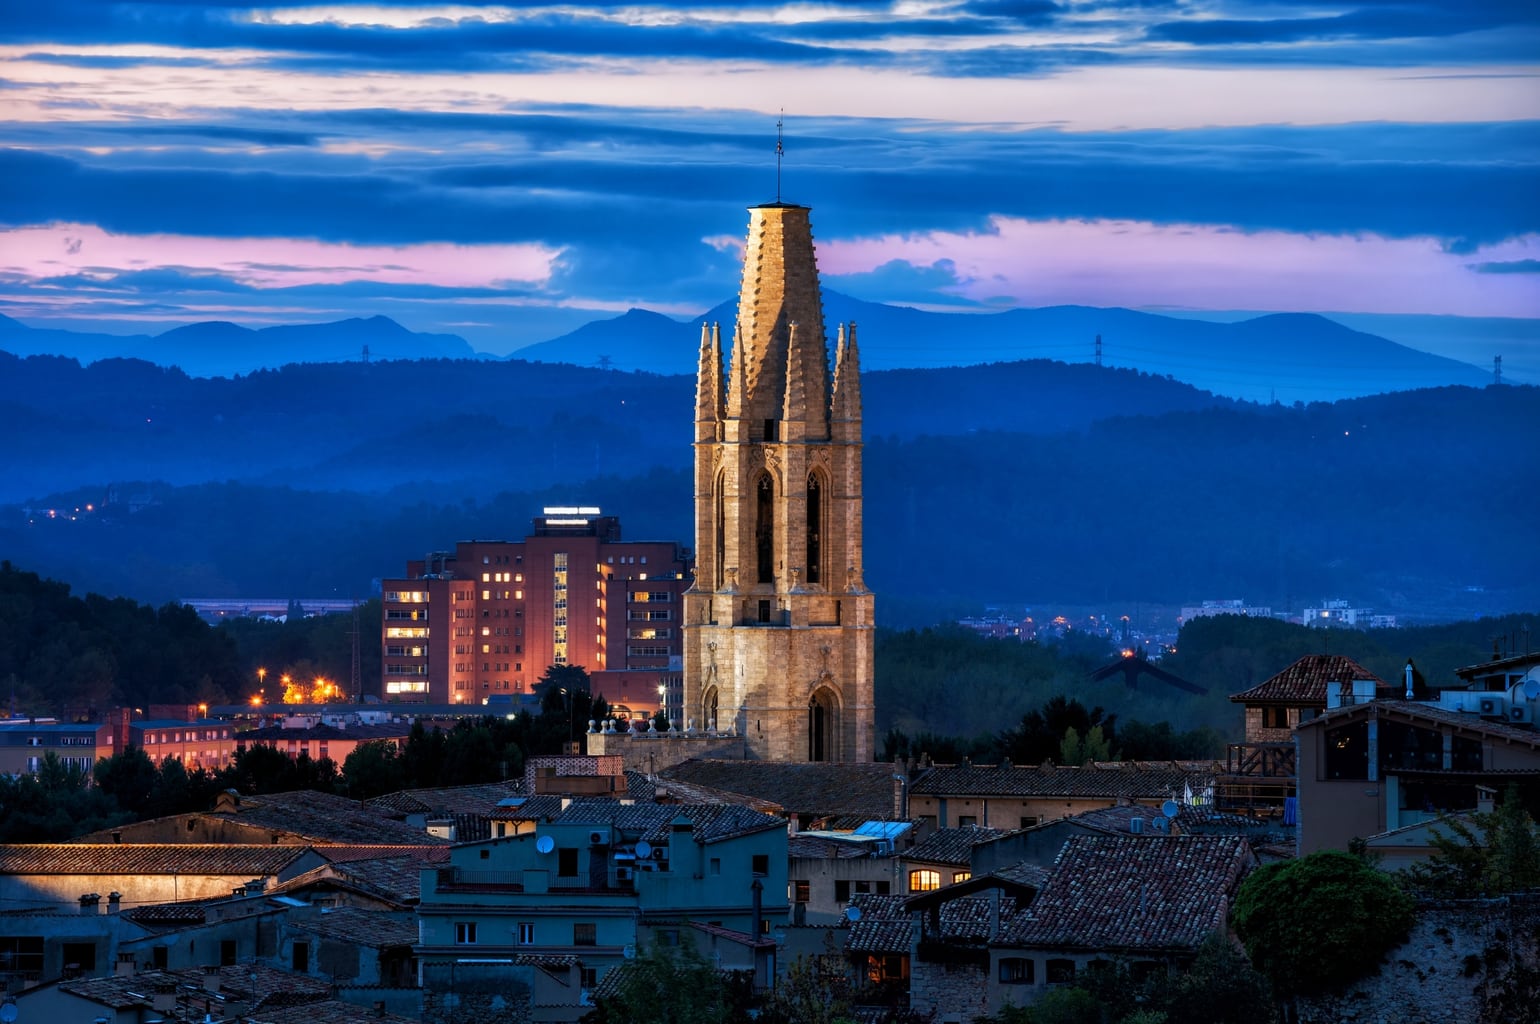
<point>952,692</point>
<point>1187,498</point>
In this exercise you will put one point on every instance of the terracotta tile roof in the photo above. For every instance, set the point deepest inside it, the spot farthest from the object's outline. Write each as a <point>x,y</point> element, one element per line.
<point>731,935</point>
<point>951,845</point>
<point>813,788</point>
<point>1134,780</point>
<point>147,859</point>
<point>449,800</point>
<point>329,1011</point>
<point>1431,713</point>
<point>1025,873</point>
<point>884,927</point>
<point>113,992</point>
<point>1304,682</point>
<point>326,818</point>
<point>544,807</point>
<point>819,848</point>
<point>709,823</point>
<point>375,929</point>
<point>260,985</point>
<point>1131,894</point>
<point>1188,819</point>
<point>547,961</point>
<point>420,854</point>
<point>610,984</point>
<point>396,880</point>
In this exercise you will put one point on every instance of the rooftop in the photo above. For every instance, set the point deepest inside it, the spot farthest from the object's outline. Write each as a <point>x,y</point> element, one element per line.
<point>147,859</point>
<point>951,845</point>
<point>1141,780</point>
<point>1304,682</point>
<point>811,788</point>
<point>1413,709</point>
<point>1132,894</point>
<point>356,926</point>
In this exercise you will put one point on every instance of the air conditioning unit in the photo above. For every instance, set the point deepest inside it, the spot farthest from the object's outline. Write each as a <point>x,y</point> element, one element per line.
<point>624,874</point>
<point>598,839</point>
<point>1519,713</point>
<point>1492,707</point>
<point>660,853</point>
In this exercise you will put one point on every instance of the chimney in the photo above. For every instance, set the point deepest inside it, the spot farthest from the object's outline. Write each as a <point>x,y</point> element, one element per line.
<point>211,979</point>
<point>164,1000</point>
<point>114,902</point>
<point>89,903</point>
<point>126,966</point>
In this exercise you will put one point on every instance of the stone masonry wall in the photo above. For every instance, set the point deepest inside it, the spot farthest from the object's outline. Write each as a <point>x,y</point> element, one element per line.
<point>1466,962</point>
<point>953,992</point>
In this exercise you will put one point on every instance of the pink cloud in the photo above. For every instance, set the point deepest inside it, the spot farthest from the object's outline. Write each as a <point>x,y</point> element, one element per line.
<point>70,249</point>
<point>1138,264</point>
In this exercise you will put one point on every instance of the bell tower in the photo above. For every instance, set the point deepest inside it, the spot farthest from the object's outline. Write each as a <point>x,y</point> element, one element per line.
<point>778,626</point>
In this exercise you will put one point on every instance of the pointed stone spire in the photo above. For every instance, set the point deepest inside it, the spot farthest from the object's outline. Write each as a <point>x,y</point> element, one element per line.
<point>846,407</point>
<point>736,386</point>
<point>708,388</point>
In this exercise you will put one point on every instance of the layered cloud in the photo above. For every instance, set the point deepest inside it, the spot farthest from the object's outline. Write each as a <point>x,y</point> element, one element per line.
<point>448,163</point>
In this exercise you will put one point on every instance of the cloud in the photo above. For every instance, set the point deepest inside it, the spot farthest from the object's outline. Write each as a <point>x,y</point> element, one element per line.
<point>1509,267</point>
<point>903,283</point>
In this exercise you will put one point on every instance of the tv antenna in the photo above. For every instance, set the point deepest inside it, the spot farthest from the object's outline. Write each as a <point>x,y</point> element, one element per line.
<point>1098,350</point>
<point>1497,370</point>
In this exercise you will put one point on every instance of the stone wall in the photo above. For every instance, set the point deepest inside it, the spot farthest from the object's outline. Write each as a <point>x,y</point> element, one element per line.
<point>955,993</point>
<point>657,751</point>
<point>1466,961</point>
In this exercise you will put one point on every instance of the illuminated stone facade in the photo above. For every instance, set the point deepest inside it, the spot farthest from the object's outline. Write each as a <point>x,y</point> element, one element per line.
<point>779,624</point>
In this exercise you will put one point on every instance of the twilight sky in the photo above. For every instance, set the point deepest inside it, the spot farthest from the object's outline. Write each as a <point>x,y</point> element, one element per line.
<point>508,171</point>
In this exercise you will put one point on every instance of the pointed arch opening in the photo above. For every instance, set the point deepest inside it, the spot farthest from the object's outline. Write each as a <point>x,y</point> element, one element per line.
<point>764,527</point>
<point>815,528</point>
<point>823,725</point>
<point>719,514</point>
<point>708,709</point>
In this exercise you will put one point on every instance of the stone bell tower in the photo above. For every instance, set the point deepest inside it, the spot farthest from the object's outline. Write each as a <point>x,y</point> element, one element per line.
<point>778,626</point>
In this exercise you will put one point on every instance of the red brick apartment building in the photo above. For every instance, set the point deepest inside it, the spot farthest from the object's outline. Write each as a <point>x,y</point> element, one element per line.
<point>484,620</point>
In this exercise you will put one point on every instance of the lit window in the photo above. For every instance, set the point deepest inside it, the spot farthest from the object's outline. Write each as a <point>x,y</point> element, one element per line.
<point>924,880</point>
<point>961,876</point>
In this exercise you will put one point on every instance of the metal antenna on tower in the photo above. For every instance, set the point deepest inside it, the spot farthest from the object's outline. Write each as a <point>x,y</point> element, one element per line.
<point>1497,370</point>
<point>780,152</point>
<point>366,355</point>
<point>357,682</point>
<point>1098,350</point>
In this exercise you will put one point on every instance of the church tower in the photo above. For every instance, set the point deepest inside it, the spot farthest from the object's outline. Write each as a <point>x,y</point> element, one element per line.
<point>778,626</point>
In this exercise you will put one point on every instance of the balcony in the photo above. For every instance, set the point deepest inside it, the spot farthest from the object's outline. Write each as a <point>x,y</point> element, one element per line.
<point>1260,760</point>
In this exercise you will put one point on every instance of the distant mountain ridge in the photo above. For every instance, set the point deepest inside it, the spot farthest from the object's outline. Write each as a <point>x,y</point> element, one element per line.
<point>1284,357</point>
<point>218,348</point>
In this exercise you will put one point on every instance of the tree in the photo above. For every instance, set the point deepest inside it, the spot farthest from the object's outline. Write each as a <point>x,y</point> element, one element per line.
<point>667,985</point>
<point>1221,987</point>
<point>129,777</point>
<point>814,990</point>
<point>1485,853</point>
<point>1320,922</point>
<point>1076,751</point>
<point>372,769</point>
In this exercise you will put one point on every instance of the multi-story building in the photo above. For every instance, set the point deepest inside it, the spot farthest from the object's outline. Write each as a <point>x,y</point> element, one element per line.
<point>485,620</point>
<point>779,624</point>
<point>25,742</point>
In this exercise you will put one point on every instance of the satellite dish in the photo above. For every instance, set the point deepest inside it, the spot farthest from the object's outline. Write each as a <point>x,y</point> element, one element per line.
<point>852,914</point>
<point>8,1011</point>
<point>1532,688</point>
<point>629,952</point>
<point>1170,808</point>
<point>644,849</point>
<point>545,844</point>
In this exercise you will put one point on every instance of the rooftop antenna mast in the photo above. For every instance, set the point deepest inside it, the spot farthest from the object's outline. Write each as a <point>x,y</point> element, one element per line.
<point>780,152</point>
<point>1497,370</point>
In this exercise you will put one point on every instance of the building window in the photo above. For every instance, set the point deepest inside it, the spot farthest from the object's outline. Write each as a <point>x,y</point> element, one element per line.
<point>967,820</point>
<point>716,865</point>
<point>801,891</point>
<point>585,933</point>
<point>465,932</point>
<point>1027,820</point>
<point>961,876</point>
<point>300,960</point>
<point>526,933</point>
<point>924,880</point>
<point>589,977</point>
<point>1275,718</point>
<point>761,864</point>
<point>1016,970</point>
<point>841,890</point>
<point>227,953</point>
<point>1060,972</point>
<point>567,862</point>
